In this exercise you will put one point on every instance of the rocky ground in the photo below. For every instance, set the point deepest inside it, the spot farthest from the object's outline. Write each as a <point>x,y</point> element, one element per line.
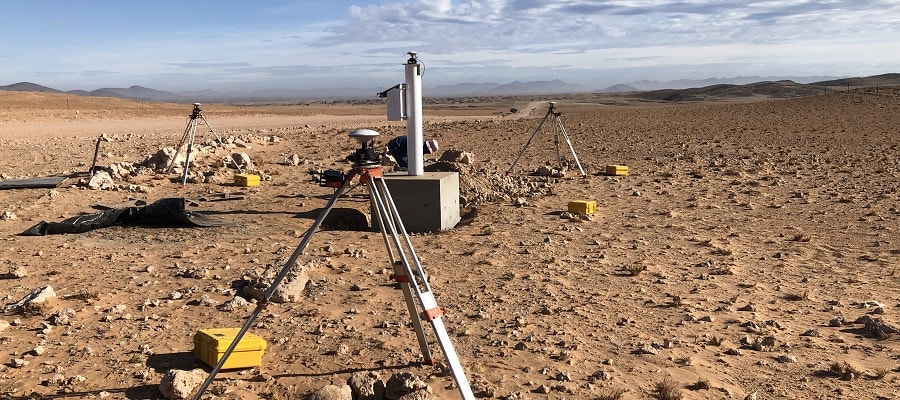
<point>751,251</point>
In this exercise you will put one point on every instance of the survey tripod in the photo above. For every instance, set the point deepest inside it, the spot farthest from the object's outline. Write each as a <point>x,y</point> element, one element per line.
<point>190,132</point>
<point>408,271</point>
<point>559,130</point>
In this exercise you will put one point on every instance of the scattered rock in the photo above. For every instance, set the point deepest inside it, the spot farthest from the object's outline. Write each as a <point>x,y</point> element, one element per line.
<point>178,384</point>
<point>404,383</point>
<point>18,363</point>
<point>811,333</point>
<point>238,303</point>
<point>101,180</point>
<point>366,385</point>
<point>163,159</point>
<point>36,298</point>
<point>764,343</point>
<point>62,317</point>
<point>18,272</point>
<point>242,160</point>
<point>39,350</point>
<point>331,392</point>
<point>8,216</point>
<point>293,160</point>
<point>877,328</point>
<point>786,358</point>
<point>290,290</point>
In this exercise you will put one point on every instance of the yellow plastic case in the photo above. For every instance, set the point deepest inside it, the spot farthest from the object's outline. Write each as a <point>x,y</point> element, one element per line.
<point>210,344</point>
<point>616,170</point>
<point>246,180</point>
<point>586,207</point>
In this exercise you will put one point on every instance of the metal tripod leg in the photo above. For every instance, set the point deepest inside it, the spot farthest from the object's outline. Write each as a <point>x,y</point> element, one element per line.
<point>386,224</point>
<point>187,154</point>
<point>188,133</point>
<point>536,130</point>
<point>419,283</point>
<point>562,129</point>
<point>271,290</point>
<point>219,140</point>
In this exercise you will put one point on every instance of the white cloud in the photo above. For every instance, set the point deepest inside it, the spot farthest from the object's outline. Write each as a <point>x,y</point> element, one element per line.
<point>500,40</point>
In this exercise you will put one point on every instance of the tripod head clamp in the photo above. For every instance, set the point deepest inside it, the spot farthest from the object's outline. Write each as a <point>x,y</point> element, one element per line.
<point>196,111</point>
<point>553,110</point>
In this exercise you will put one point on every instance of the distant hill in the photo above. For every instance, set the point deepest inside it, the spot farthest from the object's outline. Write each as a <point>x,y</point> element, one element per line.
<point>135,93</point>
<point>699,83</point>
<point>876,80</point>
<point>778,89</point>
<point>461,89</point>
<point>29,87</point>
<point>620,88</point>
<point>517,88</point>
<point>698,90</point>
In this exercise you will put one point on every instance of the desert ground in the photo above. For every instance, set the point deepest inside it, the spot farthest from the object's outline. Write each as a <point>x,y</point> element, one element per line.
<point>751,252</point>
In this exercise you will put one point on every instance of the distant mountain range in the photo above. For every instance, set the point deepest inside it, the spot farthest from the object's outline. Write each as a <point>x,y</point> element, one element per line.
<point>655,90</point>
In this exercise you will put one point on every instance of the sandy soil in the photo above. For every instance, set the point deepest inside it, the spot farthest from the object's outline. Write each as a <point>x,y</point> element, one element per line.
<point>761,222</point>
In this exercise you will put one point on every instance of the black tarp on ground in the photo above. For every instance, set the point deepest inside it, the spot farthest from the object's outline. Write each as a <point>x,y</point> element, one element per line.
<point>31,183</point>
<point>160,212</point>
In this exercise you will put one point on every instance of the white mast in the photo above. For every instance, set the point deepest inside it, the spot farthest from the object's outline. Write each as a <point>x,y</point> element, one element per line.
<point>414,142</point>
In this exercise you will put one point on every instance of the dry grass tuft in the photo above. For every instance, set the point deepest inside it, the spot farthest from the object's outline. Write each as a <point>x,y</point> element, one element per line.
<point>668,390</point>
<point>611,394</point>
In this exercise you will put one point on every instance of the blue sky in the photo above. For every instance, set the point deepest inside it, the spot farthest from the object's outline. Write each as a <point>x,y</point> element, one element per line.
<point>252,45</point>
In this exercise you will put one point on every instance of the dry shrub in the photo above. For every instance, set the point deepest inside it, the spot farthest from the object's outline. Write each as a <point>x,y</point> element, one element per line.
<point>701,384</point>
<point>85,296</point>
<point>33,309</point>
<point>722,251</point>
<point>880,373</point>
<point>804,295</point>
<point>801,238</point>
<point>611,394</point>
<point>844,370</point>
<point>723,270</point>
<point>635,269</point>
<point>716,340</point>
<point>668,390</point>
<point>687,361</point>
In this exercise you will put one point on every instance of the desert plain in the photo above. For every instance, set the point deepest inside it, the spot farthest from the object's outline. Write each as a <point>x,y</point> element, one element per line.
<point>751,252</point>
